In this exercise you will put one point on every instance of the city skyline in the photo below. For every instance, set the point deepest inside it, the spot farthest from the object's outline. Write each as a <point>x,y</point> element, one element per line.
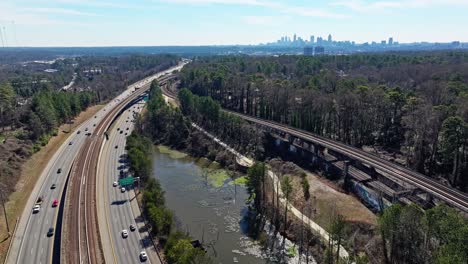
<point>319,40</point>
<point>226,22</point>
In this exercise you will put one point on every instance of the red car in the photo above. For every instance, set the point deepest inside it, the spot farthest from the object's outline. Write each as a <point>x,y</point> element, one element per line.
<point>55,203</point>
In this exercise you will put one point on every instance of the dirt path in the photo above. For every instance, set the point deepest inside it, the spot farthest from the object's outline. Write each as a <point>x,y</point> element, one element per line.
<point>30,172</point>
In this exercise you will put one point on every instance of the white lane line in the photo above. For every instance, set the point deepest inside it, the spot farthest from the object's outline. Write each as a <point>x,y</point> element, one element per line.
<point>83,180</point>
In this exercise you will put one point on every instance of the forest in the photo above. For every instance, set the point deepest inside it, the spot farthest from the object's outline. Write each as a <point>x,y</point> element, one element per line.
<point>411,107</point>
<point>33,104</point>
<point>404,234</point>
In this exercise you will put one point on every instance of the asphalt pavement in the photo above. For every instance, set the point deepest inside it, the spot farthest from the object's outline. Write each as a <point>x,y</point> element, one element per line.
<point>119,213</point>
<point>30,243</point>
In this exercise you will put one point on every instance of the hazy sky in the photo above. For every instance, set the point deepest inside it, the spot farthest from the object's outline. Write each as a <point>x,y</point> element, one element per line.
<point>199,22</point>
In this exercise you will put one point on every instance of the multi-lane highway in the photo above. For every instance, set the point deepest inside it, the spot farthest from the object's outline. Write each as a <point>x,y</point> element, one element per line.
<point>119,215</point>
<point>31,244</point>
<point>81,242</point>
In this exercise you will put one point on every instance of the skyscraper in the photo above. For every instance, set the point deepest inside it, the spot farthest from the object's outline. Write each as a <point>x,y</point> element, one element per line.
<point>294,38</point>
<point>329,38</point>
<point>390,41</point>
<point>312,39</point>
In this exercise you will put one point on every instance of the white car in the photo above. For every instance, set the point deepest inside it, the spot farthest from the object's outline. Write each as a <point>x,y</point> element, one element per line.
<point>115,184</point>
<point>143,256</point>
<point>36,208</point>
<point>123,189</point>
<point>124,233</point>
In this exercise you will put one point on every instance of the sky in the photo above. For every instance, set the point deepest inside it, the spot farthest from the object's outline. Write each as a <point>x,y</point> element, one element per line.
<point>226,22</point>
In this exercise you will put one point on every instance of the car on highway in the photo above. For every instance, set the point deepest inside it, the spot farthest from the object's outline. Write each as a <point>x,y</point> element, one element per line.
<point>36,209</point>
<point>94,125</point>
<point>50,232</point>
<point>59,170</point>
<point>118,128</point>
<point>71,143</point>
<point>55,203</point>
<point>132,227</point>
<point>121,131</point>
<point>86,129</point>
<point>143,256</point>
<point>126,133</point>
<point>124,233</point>
<point>122,189</point>
<point>53,186</point>
<point>78,132</point>
<point>115,184</point>
<point>127,128</point>
<point>116,146</point>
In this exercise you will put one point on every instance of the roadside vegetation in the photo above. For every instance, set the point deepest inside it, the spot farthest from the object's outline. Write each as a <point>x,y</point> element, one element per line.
<point>178,247</point>
<point>33,107</point>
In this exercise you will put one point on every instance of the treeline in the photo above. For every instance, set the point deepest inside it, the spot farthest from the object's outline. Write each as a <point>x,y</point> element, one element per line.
<point>165,124</point>
<point>160,119</point>
<point>234,131</point>
<point>412,235</point>
<point>49,109</point>
<point>109,75</point>
<point>412,105</point>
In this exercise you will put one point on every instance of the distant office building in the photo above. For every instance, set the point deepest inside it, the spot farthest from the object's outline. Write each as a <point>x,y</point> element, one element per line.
<point>319,40</point>
<point>312,39</point>
<point>294,38</point>
<point>383,42</point>
<point>390,41</point>
<point>308,51</point>
<point>319,50</point>
<point>330,38</point>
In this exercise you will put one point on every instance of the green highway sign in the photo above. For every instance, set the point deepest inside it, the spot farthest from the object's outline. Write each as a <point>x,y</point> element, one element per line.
<point>126,181</point>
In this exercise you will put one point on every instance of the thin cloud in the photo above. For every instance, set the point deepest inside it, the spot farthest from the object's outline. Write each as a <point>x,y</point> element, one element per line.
<point>366,6</point>
<point>60,11</point>
<point>280,7</point>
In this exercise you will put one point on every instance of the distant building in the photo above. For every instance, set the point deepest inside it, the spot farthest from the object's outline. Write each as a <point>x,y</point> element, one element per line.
<point>312,39</point>
<point>330,38</point>
<point>319,50</point>
<point>390,41</point>
<point>294,38</point>
<point>319,40</point>
<point>308,51</point>
<point>383,42</point>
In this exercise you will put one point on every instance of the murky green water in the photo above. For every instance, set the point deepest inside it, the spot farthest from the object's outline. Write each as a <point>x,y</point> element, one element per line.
<point>207,204</point>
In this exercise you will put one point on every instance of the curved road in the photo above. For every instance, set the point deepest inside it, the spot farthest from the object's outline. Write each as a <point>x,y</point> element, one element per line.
<point>119,213</point>
<point>30,243</point>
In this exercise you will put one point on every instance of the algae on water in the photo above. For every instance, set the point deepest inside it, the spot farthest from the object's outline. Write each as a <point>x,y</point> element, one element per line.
<point>172,153</point>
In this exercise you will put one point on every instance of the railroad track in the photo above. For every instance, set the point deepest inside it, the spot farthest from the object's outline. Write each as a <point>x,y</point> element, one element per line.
<point>449,195</point>
<point>81,243</point>
<point>442,192</point>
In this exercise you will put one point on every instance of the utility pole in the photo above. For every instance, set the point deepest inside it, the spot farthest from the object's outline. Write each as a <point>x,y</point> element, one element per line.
<point>4,211</point>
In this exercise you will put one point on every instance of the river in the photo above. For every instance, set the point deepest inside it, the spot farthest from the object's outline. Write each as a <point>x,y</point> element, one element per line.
<point>208,204</point>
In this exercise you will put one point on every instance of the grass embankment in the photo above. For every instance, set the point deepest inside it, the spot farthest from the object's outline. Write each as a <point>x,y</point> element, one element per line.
<point>30,172</point>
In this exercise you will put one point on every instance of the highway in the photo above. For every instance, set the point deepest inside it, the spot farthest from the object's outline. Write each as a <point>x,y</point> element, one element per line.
<point>447,194</point>
<point>119,214</point>
<point>31,244</point>
<point>81,242</point>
